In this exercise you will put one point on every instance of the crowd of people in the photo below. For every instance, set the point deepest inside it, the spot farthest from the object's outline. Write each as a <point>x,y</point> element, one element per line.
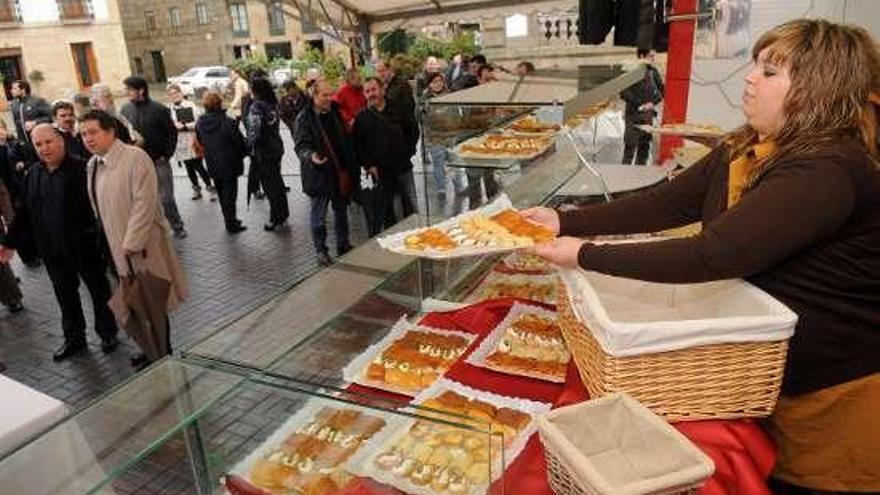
<point>87,191</point>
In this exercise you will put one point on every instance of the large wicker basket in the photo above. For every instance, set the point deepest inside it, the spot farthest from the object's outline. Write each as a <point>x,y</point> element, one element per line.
<point>718,381</point>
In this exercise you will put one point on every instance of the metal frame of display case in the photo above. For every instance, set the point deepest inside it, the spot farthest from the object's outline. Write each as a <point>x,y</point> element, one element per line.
<point>280,343</point>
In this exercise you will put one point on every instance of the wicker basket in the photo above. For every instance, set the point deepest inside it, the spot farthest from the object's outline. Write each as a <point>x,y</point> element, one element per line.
<point>588,445</point>
<point>719,381</point>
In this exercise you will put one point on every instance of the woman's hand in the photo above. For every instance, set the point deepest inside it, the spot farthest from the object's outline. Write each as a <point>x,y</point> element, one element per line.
<point>562,251</point>
<point>540,215</point>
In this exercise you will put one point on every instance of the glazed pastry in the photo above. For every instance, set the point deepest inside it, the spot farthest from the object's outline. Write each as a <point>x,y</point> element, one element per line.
<point>416,360</point>
<point>533,346</point>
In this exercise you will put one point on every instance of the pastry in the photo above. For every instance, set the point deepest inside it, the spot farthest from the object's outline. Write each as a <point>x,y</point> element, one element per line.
<point>533,346</point>
<point>416,360</point>
<point>531,125</point>
<point>503,287</point>
<point>431,238</point>
<point>517,225</point>
<point>307,460</point>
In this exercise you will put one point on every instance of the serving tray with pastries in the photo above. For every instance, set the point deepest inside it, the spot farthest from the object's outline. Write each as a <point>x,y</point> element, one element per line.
<point>494,228</point>
<point>409,359</point>
<point>436,458</point>
<point>504,146</point>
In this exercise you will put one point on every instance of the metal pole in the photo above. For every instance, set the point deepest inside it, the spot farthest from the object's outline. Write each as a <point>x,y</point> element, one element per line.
<point>589,166</point>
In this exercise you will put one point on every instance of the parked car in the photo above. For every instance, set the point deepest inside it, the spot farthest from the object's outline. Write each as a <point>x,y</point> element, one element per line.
<point>197,80</point>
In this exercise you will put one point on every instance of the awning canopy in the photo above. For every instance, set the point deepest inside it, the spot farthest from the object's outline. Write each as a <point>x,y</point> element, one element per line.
<point>382,20</point>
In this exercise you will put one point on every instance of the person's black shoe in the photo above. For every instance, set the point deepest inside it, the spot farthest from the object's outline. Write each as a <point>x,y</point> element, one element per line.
<point>269,227</point>
<point>2,367</point>
<point>324,259</point>
<point>109,345</point>
<point>236,229</point>
<point>16,307</point>
<point>69,350</point>
<point>260,195</point>
<point>342,250</point>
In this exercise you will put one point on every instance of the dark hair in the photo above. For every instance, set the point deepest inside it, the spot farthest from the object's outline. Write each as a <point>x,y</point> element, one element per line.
<point>290,84</point>
<point>212,101</point>
<point>642,52</point>
<point>23,85</point>
<point>375,80</point>
<point>105,120</point>
<point>137,83</point>
<point>61,105</point>
<point>433,76</point>
<point>530,67</point>
<point>479,59</point>
<point>82,99</point>
<point>262,90</point>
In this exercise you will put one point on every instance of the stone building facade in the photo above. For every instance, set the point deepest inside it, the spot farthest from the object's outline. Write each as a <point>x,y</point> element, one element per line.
<point>61,46</point>
<point>166,37</point>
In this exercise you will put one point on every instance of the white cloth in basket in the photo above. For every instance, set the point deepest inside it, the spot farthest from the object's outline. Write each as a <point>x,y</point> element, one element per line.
<point>632,317</point>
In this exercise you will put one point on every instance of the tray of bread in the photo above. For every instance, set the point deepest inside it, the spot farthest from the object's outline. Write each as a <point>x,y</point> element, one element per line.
<point>494,228</point>
<point>437,458</point>
<point>690,129</point>
<point>528,342</point>
<point>308,453</point>
<point>409,359</point>
<point>495,285</point>
<point>532,126</point>
<point>504,146</point>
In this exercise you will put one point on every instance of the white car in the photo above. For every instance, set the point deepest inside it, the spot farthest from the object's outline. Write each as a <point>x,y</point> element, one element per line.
<point>281,75</point>
<point>197,80</point>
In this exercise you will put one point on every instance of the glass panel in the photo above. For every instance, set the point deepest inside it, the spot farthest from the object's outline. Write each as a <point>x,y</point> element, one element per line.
<point>82,453</point>
<point>263,335</point>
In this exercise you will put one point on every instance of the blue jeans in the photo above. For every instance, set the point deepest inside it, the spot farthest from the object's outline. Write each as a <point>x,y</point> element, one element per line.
<point>437,153</point>
<point>318,221</point>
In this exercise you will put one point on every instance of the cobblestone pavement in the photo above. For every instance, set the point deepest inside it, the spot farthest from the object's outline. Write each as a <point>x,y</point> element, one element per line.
<point>228,275</point>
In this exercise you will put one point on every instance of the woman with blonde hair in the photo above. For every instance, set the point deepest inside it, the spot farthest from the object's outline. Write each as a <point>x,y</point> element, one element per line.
<point>790,202</point>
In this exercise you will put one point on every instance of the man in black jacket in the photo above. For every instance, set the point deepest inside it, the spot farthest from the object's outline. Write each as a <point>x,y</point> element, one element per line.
<point>470,78</point>
<point>152,120</point>
<point>384,151</point>
<point>56,205</point>
<point>224,150</point>
<point>27,111</point>
<point>399,95</point>
<point>64,118</point>
<point>327,167</point>
<point>641,99</point>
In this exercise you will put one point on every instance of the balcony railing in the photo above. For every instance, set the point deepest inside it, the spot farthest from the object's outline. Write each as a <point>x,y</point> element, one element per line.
<point>10,12</point>
<point>75,9</point>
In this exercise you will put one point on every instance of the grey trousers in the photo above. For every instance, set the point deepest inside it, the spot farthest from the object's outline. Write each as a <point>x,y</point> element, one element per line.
<point>166,193</point>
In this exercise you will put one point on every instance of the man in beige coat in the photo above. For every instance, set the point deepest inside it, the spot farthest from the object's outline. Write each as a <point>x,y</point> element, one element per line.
<point>124,191</point>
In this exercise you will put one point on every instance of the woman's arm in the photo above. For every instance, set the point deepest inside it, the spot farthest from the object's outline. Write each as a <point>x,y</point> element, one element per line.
<point>676,203</point>
<point>796,205</point>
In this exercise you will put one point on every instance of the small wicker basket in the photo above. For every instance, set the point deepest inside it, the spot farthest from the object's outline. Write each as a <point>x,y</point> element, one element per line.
<point>613,446</point>
<point>717,381</point>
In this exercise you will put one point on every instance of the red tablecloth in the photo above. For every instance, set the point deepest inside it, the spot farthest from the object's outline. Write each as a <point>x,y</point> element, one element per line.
<point>742,453</point>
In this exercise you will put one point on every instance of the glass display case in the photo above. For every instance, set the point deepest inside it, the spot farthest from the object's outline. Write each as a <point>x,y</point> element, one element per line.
<point>230,411</point>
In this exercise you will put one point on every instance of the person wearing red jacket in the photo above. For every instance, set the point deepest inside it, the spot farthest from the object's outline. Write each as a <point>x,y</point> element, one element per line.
<point>350,97</point>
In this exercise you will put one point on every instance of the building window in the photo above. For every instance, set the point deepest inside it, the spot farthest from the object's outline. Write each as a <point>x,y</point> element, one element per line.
<point>174,16</point>
<point>238,13</point>
<point>279,50</point>
<point>150,20</point>
<point>276,18</point>
<point>201,14</point>
<point>241,51</point>
<point>85,63</point>
<point>516,26</point>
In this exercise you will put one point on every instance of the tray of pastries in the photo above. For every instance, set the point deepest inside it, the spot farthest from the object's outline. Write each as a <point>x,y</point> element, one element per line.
<point>409,359</point>
<point>538,288</point>
<point>689,129</point>
<point>497,227</point>
<point>532,126</point>
<point>526,263</point>
<point>425,458</point>
<point>528,342</point>
<point>308,453</point>
<point>504,146</point>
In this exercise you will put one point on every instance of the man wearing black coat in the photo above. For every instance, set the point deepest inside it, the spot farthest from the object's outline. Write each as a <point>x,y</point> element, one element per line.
<point>56,206</point>
<point>64,118</point>
<point>326,155</point>
<point>641,99</point>
<point>27,111</point>
<point>384,149</point>
<point>224,150</point>
<point>399,96</point>
<point>152,120</point>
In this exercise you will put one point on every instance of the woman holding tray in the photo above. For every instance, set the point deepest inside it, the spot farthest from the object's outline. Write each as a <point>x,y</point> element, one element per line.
<point>790,202</point>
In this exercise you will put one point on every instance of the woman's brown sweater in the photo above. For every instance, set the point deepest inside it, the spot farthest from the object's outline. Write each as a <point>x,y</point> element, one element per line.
<point>808,233</point>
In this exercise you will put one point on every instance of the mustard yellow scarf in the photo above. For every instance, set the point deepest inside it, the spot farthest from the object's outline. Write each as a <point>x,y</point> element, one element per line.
<point>741,169</point>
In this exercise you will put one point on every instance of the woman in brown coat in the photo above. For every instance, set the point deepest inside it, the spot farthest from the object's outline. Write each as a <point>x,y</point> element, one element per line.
<point>790,202</point>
